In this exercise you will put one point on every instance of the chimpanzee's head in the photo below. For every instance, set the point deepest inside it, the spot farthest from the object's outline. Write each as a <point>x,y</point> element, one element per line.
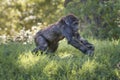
<point>71,21</point>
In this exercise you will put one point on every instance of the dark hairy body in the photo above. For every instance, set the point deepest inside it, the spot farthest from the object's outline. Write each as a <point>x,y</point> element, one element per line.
<point>46,40</point>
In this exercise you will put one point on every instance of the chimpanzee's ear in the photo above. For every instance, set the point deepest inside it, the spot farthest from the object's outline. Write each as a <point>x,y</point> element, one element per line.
<point>65,20</point>
<point>62,21</point>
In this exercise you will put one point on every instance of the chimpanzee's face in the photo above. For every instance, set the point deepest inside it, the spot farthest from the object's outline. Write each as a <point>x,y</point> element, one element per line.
<point>72,22</point>
<point>75,26</point>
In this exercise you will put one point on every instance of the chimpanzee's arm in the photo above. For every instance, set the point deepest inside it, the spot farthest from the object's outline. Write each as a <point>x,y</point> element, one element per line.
<point>67,32</point>
<point>80,39</point>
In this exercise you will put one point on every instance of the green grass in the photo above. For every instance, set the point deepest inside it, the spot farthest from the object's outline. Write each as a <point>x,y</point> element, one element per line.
<point>18,63</point>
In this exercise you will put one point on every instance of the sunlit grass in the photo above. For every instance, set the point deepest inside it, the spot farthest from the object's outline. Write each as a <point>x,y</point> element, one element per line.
<point>27,60</point>
<point>65,54</point>
<point>18,63</point>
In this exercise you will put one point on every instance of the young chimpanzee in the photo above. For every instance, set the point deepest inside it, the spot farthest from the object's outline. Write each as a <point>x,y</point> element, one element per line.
<point>67,27</point>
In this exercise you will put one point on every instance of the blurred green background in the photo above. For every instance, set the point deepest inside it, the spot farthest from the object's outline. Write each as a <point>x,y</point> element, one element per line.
<point>98,18</point>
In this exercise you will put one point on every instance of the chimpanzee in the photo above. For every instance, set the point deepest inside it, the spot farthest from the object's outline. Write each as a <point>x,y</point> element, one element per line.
<point>47,39</point>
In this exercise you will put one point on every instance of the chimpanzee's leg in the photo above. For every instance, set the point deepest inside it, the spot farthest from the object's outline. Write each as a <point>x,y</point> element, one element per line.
<point>52,47</point>
<point>41,44</point>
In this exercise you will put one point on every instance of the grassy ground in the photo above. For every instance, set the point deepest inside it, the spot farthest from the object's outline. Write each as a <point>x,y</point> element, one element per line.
<point>17,62</point>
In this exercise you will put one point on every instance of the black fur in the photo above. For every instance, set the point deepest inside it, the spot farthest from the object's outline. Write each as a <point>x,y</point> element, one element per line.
<point>47,39</point>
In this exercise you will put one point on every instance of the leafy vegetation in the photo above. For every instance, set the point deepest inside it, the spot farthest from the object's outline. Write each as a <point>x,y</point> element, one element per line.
<point>16,14</point>
<point>21,19</point>
<point>18,63</point>
<point>101,18</point>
